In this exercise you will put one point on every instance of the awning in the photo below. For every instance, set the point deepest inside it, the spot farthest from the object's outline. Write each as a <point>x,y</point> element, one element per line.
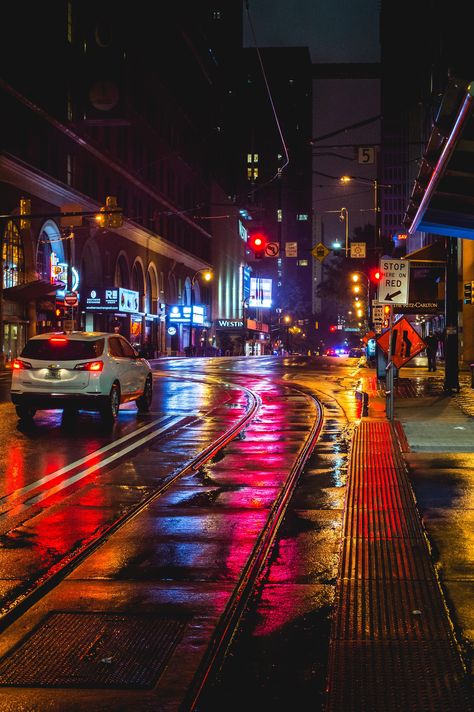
<point>31,290</point>
<point>434,253</point>
<point>442,200</point>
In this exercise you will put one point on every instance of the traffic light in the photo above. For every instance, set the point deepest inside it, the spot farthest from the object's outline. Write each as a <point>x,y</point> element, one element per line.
<point>332,329</point>
<point>257,243</point>
<point>376,275</point>
<point>106,218</point>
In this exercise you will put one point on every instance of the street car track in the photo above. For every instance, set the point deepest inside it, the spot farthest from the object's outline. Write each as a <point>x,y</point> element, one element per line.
<point>44,584</point>
<point>229,621</point>
<point>253,566</point>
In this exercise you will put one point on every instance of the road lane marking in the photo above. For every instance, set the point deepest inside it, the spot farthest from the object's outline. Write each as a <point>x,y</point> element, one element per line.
<point>83,473</point>
<point>83,460</point>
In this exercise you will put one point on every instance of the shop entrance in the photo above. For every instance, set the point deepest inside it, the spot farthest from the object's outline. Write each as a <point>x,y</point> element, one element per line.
<point>14,338</point>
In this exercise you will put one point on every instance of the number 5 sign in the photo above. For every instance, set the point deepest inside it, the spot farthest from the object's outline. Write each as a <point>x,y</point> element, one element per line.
<point>366,155</point>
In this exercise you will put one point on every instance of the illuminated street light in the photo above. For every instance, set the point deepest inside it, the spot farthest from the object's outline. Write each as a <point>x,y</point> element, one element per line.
<point>207,275</point>
<point>376,185</point>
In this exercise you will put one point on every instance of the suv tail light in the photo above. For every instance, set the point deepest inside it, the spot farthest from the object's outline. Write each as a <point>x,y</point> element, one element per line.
<point>94,366</point>
<point>18,364</point>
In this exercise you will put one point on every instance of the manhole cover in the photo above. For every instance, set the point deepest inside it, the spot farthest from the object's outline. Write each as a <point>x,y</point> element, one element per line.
<point>93,650</point>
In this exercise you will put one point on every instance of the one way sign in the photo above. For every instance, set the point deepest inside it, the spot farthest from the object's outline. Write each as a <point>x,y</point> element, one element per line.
<point>395,281</point>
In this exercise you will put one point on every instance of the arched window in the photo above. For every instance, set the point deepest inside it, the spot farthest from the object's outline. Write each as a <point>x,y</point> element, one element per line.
<point>121,273</point>
<point>13,257</point>
<point>138,281</point>
<point>49,241</point>
<point>148,294</point>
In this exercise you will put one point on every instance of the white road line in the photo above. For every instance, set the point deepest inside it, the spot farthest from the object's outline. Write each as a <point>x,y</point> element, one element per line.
<point>79,475</point>
<point>84,460</point>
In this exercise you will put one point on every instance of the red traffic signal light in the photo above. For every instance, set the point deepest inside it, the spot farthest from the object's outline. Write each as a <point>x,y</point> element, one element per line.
<point>257,243</point>
<point>332,329</point>
<point>376,276</point>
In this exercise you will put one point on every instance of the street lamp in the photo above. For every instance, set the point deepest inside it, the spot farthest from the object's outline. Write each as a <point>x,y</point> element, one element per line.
<point>376,185</point>
<point>287,320</point>
<point>356,278</point>
<point>207,275</point>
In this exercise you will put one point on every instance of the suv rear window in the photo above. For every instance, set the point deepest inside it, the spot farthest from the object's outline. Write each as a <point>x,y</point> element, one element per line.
<point>63,350</point>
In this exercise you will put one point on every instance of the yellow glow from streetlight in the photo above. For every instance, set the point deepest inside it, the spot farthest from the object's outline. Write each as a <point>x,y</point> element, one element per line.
<point>356,289</point>
<point>207,276</point>
<point>345,179</point>
<point>360,313</point>
<point>355,277</point>
<point>287,319</point>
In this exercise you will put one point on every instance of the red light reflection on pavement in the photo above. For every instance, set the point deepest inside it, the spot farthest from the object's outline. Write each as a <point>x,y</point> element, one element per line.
<point>276,609</point>
<point>15,469</point>
<point>64,530</point>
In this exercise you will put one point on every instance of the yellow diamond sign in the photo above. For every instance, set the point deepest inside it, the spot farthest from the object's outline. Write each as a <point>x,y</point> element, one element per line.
<point>320,251</point>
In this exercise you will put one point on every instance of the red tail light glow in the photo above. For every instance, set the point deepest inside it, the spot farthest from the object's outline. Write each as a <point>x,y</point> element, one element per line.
<point>58,340</point>
<point>18,364</point>
<point>95,366</point>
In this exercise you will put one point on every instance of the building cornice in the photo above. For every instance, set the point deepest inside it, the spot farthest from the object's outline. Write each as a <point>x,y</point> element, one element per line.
<point>45,188</point>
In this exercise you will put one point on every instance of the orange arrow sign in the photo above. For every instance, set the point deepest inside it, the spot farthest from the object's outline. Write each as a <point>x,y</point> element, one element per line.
<point>406,342</point>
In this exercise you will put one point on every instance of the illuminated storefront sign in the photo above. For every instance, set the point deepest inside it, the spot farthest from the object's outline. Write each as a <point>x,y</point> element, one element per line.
<point>58,273</point>
<point>229,324</point>
<point>245,283</point>
<point>182,313</point>
<point>128,300</point>
<point>110,300</point>
<point>260,292</point>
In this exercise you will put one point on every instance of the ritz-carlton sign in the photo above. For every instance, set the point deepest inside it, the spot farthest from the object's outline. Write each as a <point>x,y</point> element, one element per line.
<point>229,324</point>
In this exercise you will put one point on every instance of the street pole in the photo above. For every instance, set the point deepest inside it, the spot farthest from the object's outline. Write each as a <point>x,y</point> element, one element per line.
<point>451,346</point>
<point>346,215</point>
<point>389,380</point>
<point>376,210</point>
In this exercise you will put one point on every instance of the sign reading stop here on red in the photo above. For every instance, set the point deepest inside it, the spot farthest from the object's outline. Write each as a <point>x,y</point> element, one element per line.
<point>395,281</point>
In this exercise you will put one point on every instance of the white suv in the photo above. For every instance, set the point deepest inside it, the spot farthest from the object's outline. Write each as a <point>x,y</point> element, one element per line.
<point>80,370</point>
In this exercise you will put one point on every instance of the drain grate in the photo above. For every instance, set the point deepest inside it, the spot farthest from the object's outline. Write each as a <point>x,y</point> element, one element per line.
<point>93,650</point>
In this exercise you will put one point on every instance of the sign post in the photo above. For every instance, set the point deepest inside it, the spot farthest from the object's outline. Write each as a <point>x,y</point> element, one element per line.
<point>389,380</point>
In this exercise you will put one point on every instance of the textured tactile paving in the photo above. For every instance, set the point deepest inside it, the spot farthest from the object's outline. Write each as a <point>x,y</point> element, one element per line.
<point>392,644</point>
<point>93,651</point>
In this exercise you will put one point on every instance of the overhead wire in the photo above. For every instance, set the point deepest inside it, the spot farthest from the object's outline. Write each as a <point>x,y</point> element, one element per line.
<point>280,132</point>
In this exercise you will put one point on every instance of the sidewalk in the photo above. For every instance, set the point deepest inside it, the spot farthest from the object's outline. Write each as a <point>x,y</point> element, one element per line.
<point>403,629</point>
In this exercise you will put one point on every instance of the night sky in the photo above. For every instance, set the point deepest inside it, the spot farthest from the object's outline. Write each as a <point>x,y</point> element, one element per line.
<point>334,30</point>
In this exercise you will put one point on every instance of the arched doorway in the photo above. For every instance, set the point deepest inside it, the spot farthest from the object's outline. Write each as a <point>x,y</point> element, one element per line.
<point>13,327</point>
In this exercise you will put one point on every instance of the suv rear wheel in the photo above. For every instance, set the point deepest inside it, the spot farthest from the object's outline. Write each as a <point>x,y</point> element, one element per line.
<point>24,412</point>
<point>144,402</point>
<point>110,410</point>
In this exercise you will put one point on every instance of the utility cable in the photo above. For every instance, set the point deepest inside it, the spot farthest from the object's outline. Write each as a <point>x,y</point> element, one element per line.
<point>287,157</point>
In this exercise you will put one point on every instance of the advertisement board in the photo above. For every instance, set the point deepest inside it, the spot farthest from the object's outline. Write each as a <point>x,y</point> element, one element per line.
<point>260,292</point>
<point>246,283</point>
<point>185,314</point>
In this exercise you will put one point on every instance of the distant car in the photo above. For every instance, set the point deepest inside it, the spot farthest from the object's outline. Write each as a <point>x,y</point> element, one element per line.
<point>81,370</point>
<point>356,353</point>
<point>331,352</point>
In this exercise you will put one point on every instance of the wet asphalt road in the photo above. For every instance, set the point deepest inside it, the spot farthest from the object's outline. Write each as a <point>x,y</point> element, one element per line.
<point>281,647</point>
